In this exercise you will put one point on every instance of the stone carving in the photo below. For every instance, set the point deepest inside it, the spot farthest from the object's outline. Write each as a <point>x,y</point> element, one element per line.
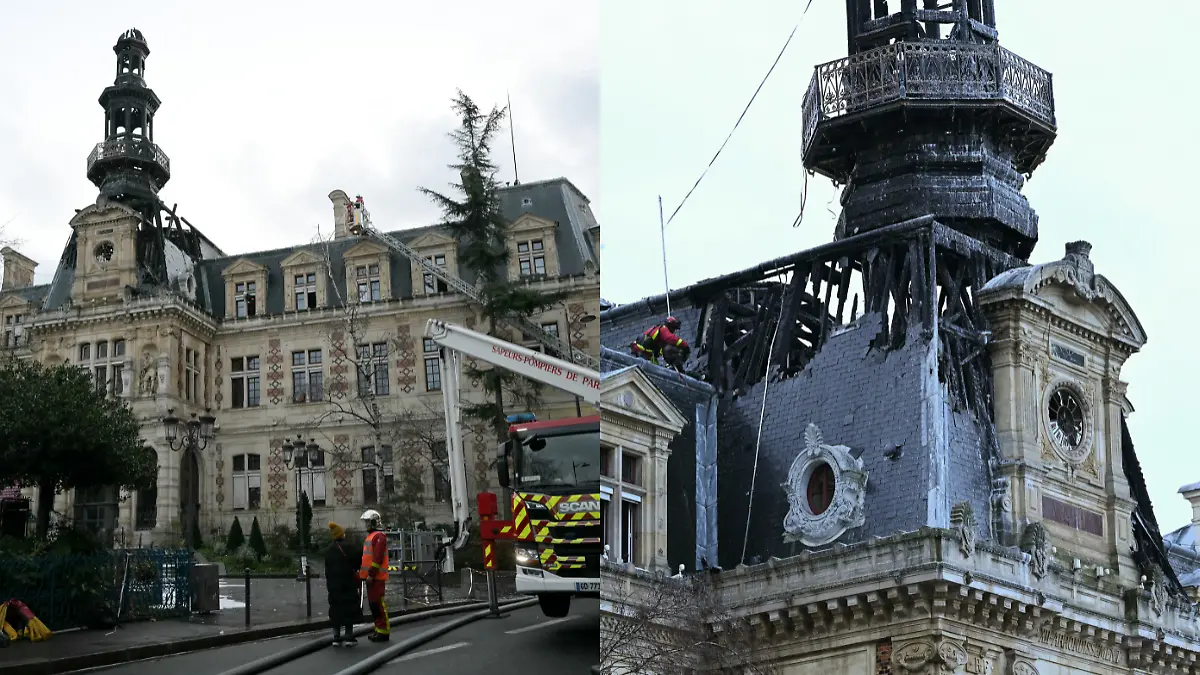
<point>928,658</point>
<point>962,521</point>
<point>1037,545</point>
<point>147,376</point>
<point>1002,509</point>
<point>1023,667</point>
<point>846,508</point>
<point>1158,591</point>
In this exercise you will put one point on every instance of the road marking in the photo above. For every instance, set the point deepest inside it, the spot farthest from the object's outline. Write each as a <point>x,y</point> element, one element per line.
<point>427,652</point>
<point>537,626</point>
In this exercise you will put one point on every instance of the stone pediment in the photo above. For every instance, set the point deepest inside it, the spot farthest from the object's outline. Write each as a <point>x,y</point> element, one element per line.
<point>102,211</point>
<point>431,240</point>
<point>629,392</point>
<point>529,222</point>
<point>13,300</point>
<point>363,249</point>
<point>242,267</point>
<point>1073,290</point>
<point>301,258</point>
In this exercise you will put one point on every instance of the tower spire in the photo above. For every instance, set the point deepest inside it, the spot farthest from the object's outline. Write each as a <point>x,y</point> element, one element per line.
<point>127,165</point>
<point>929,115</point>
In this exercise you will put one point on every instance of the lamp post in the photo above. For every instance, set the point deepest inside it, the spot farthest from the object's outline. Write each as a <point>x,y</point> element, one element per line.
<point>583,318</point>
<point>189,437</point>
<point>297,455</point>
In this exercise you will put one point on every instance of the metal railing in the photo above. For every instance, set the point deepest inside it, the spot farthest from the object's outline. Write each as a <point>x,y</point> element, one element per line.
<point>99,588</point>
<point>129,146</point>
<point>928,70</point>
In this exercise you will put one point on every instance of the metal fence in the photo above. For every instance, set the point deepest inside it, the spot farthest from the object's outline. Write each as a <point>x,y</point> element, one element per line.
<point>99,588</point>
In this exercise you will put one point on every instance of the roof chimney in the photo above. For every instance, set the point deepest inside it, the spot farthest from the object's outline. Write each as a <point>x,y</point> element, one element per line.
<point>1192,494</point>
<point>18,270</point>
<point>341,224</point>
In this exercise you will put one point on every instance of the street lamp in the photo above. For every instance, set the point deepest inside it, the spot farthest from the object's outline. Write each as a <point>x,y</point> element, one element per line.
<point>193,436</point>
<point>296,455</point>
<point>197,432</point>
<point>583,318</point>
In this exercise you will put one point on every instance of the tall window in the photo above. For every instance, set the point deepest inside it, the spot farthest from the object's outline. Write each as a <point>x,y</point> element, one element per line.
<point>631,530</point>
<point>96,508</point>
<point>306,291</point>
<point>312,478</point>
<point>308,379</point>
<point>244,381</point>
<point>105,362</point>
<point>191,374</point>
<point>531,257</point>
<point>369,474</point>
<point>146,516</point>
<point>389,470</point>
<point>367,277</point>
<point>247,481</point>
<point>14,325</point>
<point>433,366</point>
<point>373,369</point>
<point>245,298</point>
<point>441,485</point>
<point>550,328</point>
<point>432,283</point>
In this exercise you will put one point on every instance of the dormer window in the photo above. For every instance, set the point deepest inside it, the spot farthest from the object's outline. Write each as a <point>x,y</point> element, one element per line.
<point>432,283</point>
<point>245,298</point>
<point>13,327</point>
<point>531,257</point>
<point>306,291</point>
<point>367,277</point>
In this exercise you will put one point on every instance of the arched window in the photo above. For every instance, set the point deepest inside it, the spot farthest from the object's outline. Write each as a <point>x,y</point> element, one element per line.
<point>820,488</point>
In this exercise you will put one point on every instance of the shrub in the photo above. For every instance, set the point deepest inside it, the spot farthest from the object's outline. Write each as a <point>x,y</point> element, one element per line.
<point>235,539</point>
<point>256,540</point>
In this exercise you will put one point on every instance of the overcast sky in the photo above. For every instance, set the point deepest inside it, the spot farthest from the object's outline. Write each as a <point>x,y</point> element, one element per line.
<point>268,107</point>
<point>677,73</point>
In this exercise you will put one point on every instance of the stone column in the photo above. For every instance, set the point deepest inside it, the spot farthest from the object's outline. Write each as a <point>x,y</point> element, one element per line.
<point>656,493</point>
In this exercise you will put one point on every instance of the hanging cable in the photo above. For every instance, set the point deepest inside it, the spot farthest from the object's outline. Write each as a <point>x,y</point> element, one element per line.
<point>740,117</point>
<point>762,414</point>
<point>803,201</point>
<point>662,228</point>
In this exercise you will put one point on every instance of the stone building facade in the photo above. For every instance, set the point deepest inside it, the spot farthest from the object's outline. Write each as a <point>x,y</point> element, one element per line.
<point>322,341</point>
<point>923,459</point>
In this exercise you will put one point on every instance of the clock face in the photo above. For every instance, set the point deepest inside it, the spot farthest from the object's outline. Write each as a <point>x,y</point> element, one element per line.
<point>1066,418</point>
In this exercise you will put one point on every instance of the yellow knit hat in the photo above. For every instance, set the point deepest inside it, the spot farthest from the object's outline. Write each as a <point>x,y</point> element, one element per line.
<point>336,530</point>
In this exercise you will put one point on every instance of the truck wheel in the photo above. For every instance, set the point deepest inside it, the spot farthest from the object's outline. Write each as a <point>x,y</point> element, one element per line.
<point>555,606</point>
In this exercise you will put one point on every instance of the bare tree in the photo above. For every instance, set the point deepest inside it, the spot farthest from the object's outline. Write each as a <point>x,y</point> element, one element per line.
<point>659,625</point>
<point>408,435</point>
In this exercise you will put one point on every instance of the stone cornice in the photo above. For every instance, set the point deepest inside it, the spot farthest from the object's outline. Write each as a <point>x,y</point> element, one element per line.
<point>72,319</point>
<point>923,574</point>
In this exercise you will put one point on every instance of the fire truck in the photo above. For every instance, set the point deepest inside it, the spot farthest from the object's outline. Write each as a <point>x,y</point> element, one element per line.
<point>549,469</point>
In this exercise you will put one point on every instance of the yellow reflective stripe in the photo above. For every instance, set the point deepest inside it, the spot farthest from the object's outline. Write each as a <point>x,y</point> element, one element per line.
<point>375,564</point>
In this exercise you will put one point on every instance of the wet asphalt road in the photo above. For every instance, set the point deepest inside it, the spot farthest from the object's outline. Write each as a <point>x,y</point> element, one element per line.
<point>519,643</point>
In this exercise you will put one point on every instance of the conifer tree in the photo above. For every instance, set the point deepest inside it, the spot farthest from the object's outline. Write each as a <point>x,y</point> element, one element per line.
<point>235,538</point>
<point>476,221</point>
<point>257,543</point>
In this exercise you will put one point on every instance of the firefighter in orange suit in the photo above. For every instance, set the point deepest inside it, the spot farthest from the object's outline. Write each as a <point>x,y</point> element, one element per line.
<point>374,572</point>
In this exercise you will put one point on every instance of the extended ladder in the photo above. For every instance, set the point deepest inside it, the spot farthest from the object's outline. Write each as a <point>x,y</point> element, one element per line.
<point>360,224</point>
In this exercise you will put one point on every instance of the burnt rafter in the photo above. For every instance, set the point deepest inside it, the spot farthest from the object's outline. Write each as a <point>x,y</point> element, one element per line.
<point>774,318</point>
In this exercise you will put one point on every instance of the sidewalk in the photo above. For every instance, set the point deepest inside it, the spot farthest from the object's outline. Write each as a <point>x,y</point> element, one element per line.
<point>77,649</point>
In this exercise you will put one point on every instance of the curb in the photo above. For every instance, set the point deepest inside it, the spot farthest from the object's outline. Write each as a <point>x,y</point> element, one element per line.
<point>55,666</point>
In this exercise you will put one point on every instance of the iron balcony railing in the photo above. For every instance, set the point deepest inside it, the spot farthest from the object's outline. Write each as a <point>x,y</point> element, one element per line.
<point>930,71</point>
<point>122,146</point>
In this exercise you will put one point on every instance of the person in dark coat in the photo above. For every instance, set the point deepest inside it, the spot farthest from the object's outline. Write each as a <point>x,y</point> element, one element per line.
<point>341,580</point>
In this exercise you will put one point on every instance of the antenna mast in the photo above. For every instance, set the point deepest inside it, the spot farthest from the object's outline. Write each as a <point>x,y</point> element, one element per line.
<point>512,136</point>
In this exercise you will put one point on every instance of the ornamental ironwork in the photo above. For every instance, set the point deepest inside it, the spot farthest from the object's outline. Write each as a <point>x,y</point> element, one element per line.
<point>928,71</point>
<point>129,147</point>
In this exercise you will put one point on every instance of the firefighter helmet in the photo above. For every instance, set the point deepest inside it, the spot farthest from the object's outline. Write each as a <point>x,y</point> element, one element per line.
<point>372,518</point>
<point>673,323</point>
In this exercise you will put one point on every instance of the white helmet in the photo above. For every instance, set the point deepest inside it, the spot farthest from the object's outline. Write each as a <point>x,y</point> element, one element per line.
<point>371,517</point>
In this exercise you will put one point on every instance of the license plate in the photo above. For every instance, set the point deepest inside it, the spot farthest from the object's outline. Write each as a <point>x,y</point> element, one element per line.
<point>587,587</point>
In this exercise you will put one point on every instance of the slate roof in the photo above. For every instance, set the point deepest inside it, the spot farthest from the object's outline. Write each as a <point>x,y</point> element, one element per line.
<point>555,199</point>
